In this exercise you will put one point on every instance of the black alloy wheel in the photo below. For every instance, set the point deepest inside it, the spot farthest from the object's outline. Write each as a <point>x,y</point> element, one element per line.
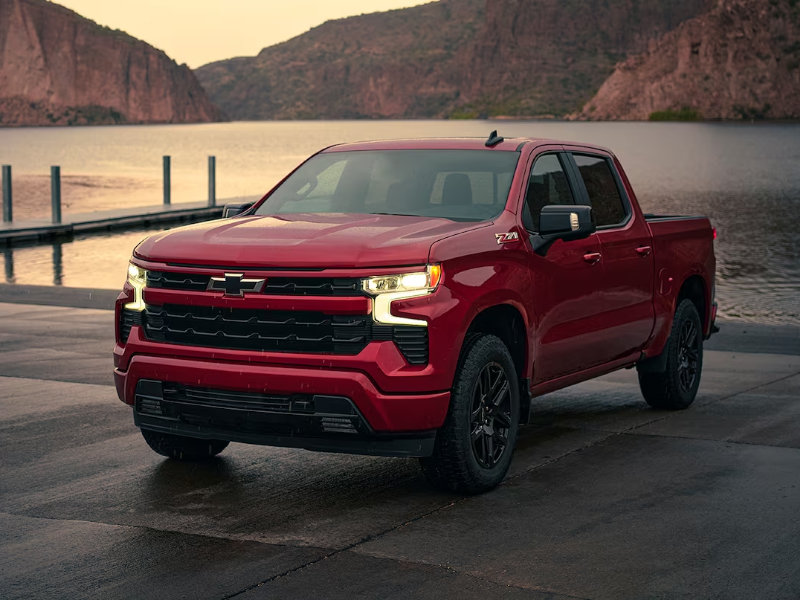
<point>490,418</point>
<point>675,385</point>
<point>688,353</point>
<point>474,446</point>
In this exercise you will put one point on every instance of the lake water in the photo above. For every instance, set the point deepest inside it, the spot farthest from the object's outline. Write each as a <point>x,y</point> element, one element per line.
<point>745,177</point>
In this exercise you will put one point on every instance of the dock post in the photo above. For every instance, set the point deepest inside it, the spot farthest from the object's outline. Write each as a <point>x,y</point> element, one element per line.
<point>8,214</point>
<point>212,180</point>
<point>55,193</point>
<point>167,187</point>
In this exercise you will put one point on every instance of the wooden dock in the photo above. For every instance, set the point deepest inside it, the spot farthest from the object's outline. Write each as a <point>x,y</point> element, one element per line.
<point>42,230</point>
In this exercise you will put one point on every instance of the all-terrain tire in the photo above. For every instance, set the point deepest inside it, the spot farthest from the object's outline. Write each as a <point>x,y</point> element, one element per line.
<point>473,448</point>
<point>183,448</point>
<point>675,387</point>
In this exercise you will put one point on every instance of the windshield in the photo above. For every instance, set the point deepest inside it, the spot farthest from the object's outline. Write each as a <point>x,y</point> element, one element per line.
<point>462,185</point>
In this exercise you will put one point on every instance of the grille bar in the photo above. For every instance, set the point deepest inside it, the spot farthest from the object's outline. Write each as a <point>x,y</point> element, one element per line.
<point>277,286</point>
<point>226,398</point>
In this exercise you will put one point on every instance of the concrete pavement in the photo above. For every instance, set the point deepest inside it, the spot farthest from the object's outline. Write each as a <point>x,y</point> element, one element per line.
<point>606,498</point>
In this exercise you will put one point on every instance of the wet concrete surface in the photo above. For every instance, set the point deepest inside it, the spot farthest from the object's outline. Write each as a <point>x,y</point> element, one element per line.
<point>606,498</point>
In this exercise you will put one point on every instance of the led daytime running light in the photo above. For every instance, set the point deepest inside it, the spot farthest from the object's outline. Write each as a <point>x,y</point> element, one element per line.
<point>137,277</point>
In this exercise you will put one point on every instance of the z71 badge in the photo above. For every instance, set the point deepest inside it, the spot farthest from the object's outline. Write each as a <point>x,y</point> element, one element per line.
<point>504,238</point>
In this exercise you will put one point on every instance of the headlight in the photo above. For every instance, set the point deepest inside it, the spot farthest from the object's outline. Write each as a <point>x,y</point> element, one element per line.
<point>387,288</point>
<point>137,277</point>
<point>425,281</point>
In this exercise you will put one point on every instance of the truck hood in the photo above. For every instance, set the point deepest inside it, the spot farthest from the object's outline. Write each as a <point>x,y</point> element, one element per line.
<point>303,241</point>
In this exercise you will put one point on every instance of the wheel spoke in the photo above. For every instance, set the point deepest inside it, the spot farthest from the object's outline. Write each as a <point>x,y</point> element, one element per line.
<point>497,399</point>
<point>486,384</point>
<point>504,419</point>
<point>476,414</point>
<point>477,431</point>
<point>691,335</point>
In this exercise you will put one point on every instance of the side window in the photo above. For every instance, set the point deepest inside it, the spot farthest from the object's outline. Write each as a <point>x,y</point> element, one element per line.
<point>547,185</point>
<point>607,204</point>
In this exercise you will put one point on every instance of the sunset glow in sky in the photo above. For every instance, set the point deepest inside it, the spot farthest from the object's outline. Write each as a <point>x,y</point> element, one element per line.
<point>201,31</point>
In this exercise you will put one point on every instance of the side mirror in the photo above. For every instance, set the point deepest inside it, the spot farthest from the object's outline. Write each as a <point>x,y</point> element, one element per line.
<point>562,222</point>
<point>231,210</point>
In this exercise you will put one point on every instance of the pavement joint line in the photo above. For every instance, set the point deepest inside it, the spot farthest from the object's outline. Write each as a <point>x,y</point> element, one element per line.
<point>165,530</point>
<point>364,540</point>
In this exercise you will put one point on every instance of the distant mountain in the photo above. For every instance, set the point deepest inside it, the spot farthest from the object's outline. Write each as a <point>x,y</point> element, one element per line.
<point>739,61</point>
<point>452,58</point>
<point>58,68</point>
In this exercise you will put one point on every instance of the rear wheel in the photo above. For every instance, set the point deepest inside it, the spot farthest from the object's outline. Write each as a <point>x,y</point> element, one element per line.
<point>474,446</point>
<point>675,387</point>
<point>182,448</point>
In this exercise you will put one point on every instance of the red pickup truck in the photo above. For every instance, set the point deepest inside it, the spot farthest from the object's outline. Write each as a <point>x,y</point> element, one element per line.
<point>410,298</point>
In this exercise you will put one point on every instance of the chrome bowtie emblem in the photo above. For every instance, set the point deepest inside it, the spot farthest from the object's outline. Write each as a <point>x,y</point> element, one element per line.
<point>234,284</point>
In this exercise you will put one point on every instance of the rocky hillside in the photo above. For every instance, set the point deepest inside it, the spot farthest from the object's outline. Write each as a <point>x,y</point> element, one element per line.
<point>446,59</point>
<point>57,68</point>
<point>739,61</point>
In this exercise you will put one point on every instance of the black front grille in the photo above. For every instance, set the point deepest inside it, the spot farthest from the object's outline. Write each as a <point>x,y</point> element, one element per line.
<point>277,286</point>
<point>258,401</point>
<point>276,331</point>
<point>252,329</point>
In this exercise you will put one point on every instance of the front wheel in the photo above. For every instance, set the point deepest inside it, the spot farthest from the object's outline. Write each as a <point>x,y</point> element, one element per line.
<point>182,448</point>
<point>675,387</point>
<point>474,446</point>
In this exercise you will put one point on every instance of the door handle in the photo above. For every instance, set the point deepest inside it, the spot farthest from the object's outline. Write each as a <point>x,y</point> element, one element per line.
<point>592,257</point>
<point>643,250</point>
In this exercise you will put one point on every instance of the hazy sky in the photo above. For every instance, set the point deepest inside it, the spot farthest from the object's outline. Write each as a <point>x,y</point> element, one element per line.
<point>201,31</point>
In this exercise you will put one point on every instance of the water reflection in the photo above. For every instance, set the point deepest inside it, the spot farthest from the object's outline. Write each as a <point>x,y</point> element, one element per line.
<point>8,257</point>
<point>58,266</point>
<point>85,261</point>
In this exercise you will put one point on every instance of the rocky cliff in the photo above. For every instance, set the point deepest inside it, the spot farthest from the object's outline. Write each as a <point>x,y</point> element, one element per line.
<point>739,61</point>
<point>58,68</point>
<point>446,59</point>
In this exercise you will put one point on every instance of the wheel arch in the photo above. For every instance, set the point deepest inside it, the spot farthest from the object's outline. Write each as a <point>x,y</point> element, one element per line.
<point>507,323</point>
<point>694,288</point>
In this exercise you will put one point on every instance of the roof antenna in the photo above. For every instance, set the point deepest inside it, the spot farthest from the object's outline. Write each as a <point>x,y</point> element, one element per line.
<point>493,140</point>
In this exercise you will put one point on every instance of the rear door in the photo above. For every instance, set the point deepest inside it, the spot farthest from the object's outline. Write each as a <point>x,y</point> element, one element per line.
<point>625,298</point>
<point>566,280</point>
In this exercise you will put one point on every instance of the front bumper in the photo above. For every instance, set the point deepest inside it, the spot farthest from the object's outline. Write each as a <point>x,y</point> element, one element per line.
<point>312,422</point>
<point>387,424</point>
